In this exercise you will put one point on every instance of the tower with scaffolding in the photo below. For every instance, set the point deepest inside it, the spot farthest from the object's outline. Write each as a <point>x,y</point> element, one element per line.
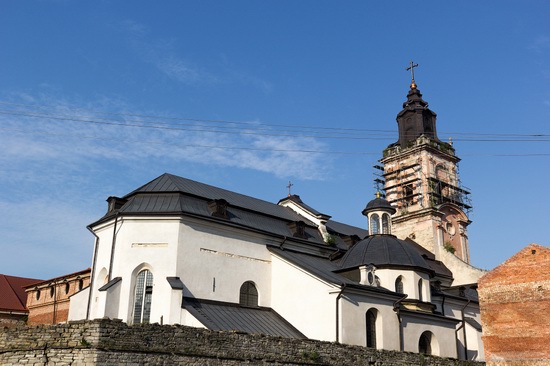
<point>419,174</point>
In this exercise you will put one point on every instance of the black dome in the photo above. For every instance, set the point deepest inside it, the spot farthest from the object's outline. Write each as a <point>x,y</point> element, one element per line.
<point>384,251</point>
<point>378,204</point>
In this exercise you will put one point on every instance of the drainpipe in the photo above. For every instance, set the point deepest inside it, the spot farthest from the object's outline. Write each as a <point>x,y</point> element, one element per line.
<point>54,303</point>
<point>92,276</point>
<point>396,308</point>
<point>113,248</point>
<point>338,312</point>
<point>463,327</point>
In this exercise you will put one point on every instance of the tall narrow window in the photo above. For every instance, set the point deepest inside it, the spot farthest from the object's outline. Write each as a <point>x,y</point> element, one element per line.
<point>420,289</point>
<point>374,224</point>
<point>386,224</point>
<point>143,296</point>
<point>371,328</point>
<point>399,285</point>
<point>425,343</point>
<point>248,295</point>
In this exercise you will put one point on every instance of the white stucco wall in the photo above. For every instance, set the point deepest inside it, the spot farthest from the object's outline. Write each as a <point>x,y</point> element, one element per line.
<point>141,243</point>
<point>214,261</point>
<point>79,305</point>
<point>304,300</point>
<point>410,282</point>
<point>463,273</point>
<point>443,341</point>
<point>354,308</point>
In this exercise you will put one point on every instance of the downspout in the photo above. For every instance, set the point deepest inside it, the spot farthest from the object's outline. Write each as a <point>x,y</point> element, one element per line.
<point>338,312</point>
<point>396,308</point>
<point>464,330</point>
<point>96,244</point>
<point>463,327</point>
<point>113,248</point>
<point>54,303</point>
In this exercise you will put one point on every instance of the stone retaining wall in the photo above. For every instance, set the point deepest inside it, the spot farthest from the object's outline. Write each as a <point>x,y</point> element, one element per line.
<point>111,342</point>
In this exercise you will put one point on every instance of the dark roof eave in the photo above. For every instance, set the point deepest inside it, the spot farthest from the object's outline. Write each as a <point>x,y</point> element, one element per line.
<point>215,220</point>
<point>392,266</point>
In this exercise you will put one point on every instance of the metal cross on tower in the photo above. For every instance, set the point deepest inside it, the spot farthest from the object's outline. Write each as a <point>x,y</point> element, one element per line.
<point>411,68</point>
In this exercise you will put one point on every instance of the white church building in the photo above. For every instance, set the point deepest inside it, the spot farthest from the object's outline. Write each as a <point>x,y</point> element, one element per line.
<point>176,251</point>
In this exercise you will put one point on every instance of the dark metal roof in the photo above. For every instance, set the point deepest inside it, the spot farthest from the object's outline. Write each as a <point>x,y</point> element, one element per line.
<point>172,183</point>
<point>172,195</point>
<point>384,251</point>
<point>217,315</point>
<point>346,229</point>
<point>296,199</point>
<point>175,283</point>
<point>437,266</point>
<point>378,204</point>
<point>324,268</point>
<point>110,284</point>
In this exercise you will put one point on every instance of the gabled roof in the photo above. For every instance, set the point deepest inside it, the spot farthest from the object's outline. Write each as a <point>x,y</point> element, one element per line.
<point>172,183</point>
<point>216,315</point>
<point>172,195</point>
<point>12,292</point>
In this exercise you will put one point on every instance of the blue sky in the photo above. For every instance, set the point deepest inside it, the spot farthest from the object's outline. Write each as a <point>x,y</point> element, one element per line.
<point>98,98</point>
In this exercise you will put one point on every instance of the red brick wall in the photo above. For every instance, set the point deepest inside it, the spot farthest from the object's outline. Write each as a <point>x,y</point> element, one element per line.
<point>515,309</point>
<point>52,307</point>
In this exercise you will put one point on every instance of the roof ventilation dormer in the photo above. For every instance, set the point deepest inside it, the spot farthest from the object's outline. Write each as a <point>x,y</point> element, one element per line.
<point>351,240</point>
<point>218,208</point>
<point>298,229</point>
<point>115,203</point>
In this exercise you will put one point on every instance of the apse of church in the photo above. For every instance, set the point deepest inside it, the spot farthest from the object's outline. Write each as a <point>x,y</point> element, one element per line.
<point>422,182</point>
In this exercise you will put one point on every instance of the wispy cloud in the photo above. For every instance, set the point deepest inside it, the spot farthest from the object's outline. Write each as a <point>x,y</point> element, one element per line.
<point>168,57</point>
<point>181,71</point>
<point>540,44</point>
<point>56,167</point>
<point>52,136</point>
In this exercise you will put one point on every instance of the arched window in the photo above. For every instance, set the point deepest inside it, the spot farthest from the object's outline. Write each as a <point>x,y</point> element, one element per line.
<point>80,284</point>
<point>143,296</point>
<point>374,224</point>
<point>67,288</point>
<point>420,289</point>
<point>386,224</point>
<point>37,294</point>
<point>425,343</point>
<point>399,285</point>
<point>371,328</point>
<point>52,291</point>
<point>248,295</point>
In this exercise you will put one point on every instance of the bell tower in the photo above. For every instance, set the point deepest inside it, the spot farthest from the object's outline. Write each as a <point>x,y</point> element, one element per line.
<point>422,182</point>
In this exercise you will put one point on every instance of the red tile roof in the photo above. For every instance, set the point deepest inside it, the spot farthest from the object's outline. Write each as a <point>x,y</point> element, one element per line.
<point>12,293</point>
